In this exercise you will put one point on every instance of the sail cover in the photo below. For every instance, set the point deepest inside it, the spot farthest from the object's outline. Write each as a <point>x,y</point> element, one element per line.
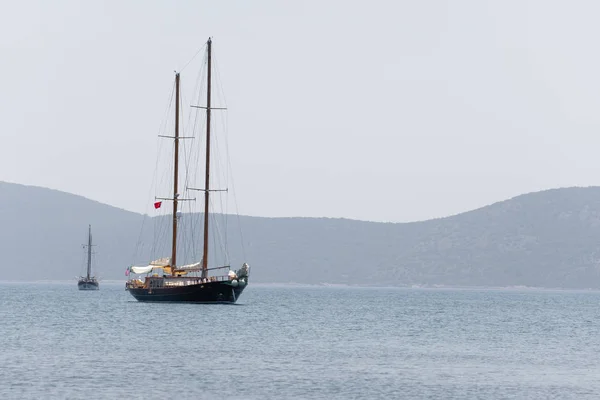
<point>193,266</point>
<point>156,264</point>
<point>142,270</point>
<point>161,262</point>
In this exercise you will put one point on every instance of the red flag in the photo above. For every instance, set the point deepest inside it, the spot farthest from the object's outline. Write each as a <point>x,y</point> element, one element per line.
<point>157,204</point>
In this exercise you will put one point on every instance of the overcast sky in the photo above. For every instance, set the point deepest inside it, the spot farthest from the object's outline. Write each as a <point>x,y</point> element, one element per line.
<point>379,110</point>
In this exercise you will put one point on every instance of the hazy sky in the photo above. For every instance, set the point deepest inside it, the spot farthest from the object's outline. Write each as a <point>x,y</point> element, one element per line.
<point>379,110</point>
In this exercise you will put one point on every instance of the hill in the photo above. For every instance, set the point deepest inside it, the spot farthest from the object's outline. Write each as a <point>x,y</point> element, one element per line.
<point>542,239</point>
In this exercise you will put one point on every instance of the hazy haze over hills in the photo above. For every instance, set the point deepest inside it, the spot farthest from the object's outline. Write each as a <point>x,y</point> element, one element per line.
<point>544,239</point>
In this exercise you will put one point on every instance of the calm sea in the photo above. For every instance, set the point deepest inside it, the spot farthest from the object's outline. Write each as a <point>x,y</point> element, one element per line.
<point>299,343</point>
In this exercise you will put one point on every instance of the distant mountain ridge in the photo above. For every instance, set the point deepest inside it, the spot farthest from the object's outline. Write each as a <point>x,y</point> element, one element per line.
<point>542,239</point>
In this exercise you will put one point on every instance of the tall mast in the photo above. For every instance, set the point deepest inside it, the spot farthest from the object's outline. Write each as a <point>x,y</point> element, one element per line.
<point>207,178</point>
<point>89,248</point>
<point>175,174</point>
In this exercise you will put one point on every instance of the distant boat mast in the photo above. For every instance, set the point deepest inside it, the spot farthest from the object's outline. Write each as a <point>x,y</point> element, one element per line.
<point>89,251</point>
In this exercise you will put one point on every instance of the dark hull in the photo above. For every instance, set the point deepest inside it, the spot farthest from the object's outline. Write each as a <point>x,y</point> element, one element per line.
<point>88,285</point>
<point>211,292</point>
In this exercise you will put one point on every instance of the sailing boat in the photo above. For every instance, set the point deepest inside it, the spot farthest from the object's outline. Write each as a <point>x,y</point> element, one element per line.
<point>165,280</point>
<point>88,282</point>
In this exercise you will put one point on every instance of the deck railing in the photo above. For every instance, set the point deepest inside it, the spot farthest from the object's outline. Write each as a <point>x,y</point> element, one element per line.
<point>176,281</point>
